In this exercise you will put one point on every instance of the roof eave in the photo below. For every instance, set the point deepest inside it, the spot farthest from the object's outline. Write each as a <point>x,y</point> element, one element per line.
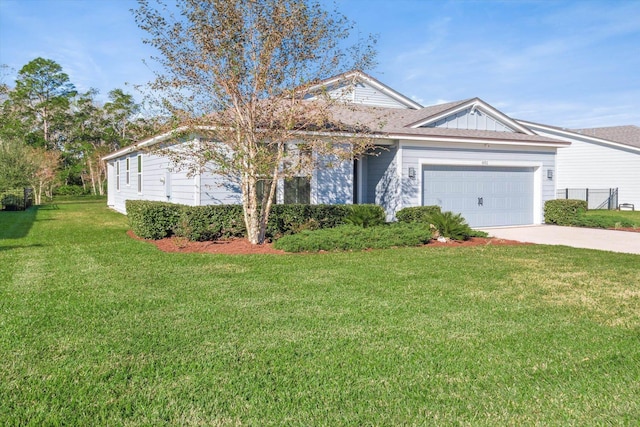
<point>570,134</point>
<point>479,140</point>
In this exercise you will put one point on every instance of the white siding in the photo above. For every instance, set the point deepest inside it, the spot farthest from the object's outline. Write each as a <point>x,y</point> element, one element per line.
<point>218,190</point>
<point>587,164</point>
<point>477,120</point>
<point>154,182</point>
<point>362,93</point>
<point>332,183</point>
<point>111,183</point>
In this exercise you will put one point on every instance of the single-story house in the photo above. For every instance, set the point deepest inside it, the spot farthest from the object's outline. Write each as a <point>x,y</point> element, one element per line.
<point>465,156</point>
<point>598,158</point>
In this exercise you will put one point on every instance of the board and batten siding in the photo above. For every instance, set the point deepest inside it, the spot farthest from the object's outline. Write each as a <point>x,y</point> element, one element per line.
<point>590,164</point>
<point>466,119</point>
<point>382,183</point>
<point>415,156</point>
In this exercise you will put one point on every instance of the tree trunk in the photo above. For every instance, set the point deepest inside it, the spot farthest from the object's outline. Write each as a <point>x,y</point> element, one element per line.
<point>250,208</point>
<point>92,176</point>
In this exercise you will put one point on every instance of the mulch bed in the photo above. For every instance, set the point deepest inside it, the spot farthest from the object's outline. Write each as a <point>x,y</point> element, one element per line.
<point>243,247</point>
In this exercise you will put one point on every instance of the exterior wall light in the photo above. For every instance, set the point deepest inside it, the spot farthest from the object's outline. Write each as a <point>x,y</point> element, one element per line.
<point>549,173</point>
<point>412,173</point>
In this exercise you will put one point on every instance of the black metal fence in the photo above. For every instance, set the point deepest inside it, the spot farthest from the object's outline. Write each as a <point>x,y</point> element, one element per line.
<point>16,200</point>
<point>596,198</point>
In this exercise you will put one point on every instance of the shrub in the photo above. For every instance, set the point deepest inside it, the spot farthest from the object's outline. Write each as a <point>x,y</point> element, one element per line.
<point>294,218</point>
<point>416,213</point>
<point>365,215</point>
<point>153,220</point>
<point>211,222</point>
<point>70,190</point>
<point>450,225</point>
<point>350,237</point>
<point>12,202</point>
<point>564,211</point>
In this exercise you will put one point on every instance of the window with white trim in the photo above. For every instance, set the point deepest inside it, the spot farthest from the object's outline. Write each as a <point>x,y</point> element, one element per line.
<point>297,190</point>
<point>117,175</point>
<point>139,173</point>
<point>127,173</point>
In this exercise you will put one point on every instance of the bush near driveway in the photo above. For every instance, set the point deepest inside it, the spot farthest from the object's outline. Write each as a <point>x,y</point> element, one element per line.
<point>564,211</point>
<point>574,213</point>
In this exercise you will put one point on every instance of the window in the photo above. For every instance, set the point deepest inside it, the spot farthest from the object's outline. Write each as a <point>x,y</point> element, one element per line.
<point>128,172</point>
<point>297,190</point>
<point>139,173</point>
<point>262,187</point>
<point>117,175</point>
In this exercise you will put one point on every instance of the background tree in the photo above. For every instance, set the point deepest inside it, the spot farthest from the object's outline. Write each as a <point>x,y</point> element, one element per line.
<point>15,166</point>
<point>120,112</point>
<point>44,110</point>
<point>43,91</point>
<point>236,72</point>
<point>45,164</point>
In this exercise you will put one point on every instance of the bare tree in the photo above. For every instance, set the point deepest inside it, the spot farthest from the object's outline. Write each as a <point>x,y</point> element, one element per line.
<point>237,74</point>
<point>45,164</point>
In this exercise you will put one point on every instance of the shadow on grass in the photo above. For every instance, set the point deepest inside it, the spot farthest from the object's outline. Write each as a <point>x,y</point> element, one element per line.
<point>8,248</point>
<point>16,224</point>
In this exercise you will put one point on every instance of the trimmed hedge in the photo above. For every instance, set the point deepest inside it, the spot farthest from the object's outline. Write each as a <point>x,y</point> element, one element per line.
<point>153,220</point>
<point>351,237</point>
<point>211,222</point>
<point>564,211</point>
<point>157,220</point>
<point>291,219</point>
<point>416,213</point>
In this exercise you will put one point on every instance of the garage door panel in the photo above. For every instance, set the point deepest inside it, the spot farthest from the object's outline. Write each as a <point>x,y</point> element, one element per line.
<point>484,196</point>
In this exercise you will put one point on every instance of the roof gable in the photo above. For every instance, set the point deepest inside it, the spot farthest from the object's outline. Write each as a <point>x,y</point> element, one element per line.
<point>360,88</point>
<point>473,114</point>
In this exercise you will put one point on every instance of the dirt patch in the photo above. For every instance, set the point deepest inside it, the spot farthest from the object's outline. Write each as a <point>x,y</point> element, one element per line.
<point>243,247</point>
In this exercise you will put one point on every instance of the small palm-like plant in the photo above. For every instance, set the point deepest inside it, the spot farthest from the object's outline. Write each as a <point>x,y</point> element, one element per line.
<point>450,225</point>
<point>365,216</point>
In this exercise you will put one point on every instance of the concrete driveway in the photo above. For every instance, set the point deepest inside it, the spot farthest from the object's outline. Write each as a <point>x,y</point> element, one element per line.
<point>589,238</point>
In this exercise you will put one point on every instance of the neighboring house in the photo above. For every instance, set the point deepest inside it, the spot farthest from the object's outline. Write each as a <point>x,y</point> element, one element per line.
<point>599,158</point>
<point>465,156</point>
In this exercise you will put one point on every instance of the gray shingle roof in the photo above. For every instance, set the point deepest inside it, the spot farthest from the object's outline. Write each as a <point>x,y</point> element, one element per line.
<point>394,121</point>
<point>628,135</point>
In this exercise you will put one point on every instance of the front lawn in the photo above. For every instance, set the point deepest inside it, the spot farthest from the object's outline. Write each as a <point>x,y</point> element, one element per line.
<point>100,329</point>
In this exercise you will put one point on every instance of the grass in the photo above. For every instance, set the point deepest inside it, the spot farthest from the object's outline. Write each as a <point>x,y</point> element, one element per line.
<point>633,216</point>
<point>99,329</point>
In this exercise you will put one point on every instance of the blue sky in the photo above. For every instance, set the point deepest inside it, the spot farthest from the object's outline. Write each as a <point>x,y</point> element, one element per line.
<point>565,63</point>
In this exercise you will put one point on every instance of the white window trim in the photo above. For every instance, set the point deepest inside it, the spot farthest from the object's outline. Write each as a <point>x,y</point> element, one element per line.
<point>139,174</point>
<point>128,172</point>
<point>117,175</point>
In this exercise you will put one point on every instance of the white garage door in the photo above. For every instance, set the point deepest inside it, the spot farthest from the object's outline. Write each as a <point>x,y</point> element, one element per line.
<point>485,196</point>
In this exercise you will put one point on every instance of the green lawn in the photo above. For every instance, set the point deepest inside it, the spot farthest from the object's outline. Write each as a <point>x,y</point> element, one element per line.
<point>633,216</point>
<point>99,329</point>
